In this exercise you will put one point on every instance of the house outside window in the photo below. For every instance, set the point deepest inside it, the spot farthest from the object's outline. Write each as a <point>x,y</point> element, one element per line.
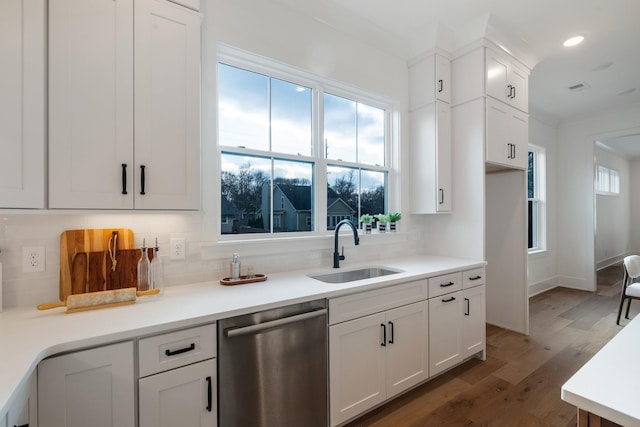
<point>284,134</point>
<point>536,192</point>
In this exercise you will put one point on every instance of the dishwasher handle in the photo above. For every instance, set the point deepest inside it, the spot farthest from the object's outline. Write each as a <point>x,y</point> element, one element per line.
<point>245,330</point>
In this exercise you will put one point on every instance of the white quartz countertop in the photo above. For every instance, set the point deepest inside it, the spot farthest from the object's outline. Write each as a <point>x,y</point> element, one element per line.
<point>608,385</point>
<point>27,335</point>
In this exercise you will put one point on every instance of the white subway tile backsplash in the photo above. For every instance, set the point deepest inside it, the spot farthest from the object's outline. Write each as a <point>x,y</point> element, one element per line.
<point>205,261</point>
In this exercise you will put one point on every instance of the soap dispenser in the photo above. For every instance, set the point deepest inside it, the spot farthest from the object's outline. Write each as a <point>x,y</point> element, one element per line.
<point>235,267</point>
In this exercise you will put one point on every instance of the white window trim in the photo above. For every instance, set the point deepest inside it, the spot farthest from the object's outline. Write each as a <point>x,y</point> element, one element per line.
<point>540,177</point>
<point>318,84</point>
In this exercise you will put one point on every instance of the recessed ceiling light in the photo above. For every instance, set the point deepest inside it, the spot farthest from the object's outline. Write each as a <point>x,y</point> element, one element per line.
<point>573,41</point>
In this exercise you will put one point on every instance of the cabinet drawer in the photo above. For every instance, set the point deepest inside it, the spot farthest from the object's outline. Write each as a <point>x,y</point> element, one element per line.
<point>471,278</point>
<point>172,350</point>
<point>445,284</point>
<point>365,303</point>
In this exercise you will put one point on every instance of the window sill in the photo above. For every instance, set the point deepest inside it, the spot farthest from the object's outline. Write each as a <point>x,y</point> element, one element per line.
<point>537,253</point>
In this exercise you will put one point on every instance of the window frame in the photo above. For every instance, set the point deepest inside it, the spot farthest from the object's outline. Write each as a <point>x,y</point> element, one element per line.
<point>611,185</point>
<point>318,85</point>
<point>538,201</point>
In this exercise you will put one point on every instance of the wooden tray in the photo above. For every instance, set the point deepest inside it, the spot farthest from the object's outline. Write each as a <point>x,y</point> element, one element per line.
<point>228,281</point>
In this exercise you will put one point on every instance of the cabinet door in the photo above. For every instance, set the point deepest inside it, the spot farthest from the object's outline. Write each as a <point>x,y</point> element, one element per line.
<point>90,103</point>
<point>183,397</point>
<point>431,158</point>
<point>407,330</point>
<point>22,110</point>
<point>519,80</point>
<point>88,388</point>
<point>167,108</point>
<point>356,366</point>
<point>25,411</point>
<point>443,149</point>
<point>445,332</point>
<point>473,321</point>
<point>443,79</point>
<point>519,137</point>
<point>507,135</point>
<point>497,66</point>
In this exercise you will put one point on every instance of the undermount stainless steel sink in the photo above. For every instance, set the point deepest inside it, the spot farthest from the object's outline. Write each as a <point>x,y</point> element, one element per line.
<point>353,275</point>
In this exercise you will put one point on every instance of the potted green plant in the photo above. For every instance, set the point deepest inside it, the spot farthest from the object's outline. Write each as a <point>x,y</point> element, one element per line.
<point>366,220</point>
<point>382,222</point>
<point>394,217</point>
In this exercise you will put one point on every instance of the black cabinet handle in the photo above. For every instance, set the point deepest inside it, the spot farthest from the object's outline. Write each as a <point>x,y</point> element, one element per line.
<point>475,278</point>
<point>442,196</point>
<point>142,167</point>
<point>449,299</point>
<point>384,335</point>
<point>23,425</point>
<point>513,147</point>
<point>466,309</point>
<point>209,395</point>
<point>446,285</point>
<point>181,350</point>
<point>392,334</point>
<point>124,178</point>
<point>441,83</point>
<point>513,94</point>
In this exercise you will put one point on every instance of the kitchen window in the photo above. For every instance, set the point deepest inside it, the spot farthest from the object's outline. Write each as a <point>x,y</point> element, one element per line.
<point>607,181</point>
<point>283,136</point>
<point>536,191</point>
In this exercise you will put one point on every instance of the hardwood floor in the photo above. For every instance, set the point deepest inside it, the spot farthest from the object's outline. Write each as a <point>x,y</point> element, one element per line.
<point>519,383</point>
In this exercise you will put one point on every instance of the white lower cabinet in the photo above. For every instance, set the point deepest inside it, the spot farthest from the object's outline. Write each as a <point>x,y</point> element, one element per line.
<point>456,328</point>
<point>24,411</point>
<point>92,387</point>
<point>184,397</point>
<point>178,384</point>
<point>375,357</point>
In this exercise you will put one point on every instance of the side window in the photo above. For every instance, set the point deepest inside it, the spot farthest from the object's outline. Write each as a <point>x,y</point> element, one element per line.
<point>536,190</point>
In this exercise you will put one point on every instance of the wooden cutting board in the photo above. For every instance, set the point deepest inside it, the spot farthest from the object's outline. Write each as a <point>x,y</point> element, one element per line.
<point>73,242</point>
<point>93,272</point>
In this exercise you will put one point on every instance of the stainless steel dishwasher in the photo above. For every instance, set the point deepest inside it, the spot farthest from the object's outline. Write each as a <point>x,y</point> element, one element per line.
<point>272,367</point>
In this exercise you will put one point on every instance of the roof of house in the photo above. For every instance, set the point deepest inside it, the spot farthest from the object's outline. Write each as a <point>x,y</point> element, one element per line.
<point>227,207</point>
<point>298,195</point>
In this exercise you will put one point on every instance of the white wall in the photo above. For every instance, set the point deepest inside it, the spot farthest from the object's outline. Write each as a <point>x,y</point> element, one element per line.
<point>265,28</point>
<point>542,266</point>
<point>613,213</point>
<point>575,195</point>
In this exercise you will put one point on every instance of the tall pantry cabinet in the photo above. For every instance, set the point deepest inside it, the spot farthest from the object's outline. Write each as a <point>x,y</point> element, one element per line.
<point>430,134</point>
<point>22,103</point>
<point>490,107</point>
<point>124,83</point>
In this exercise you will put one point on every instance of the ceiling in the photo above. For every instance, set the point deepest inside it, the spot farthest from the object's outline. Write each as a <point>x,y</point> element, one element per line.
<point>608,61</point>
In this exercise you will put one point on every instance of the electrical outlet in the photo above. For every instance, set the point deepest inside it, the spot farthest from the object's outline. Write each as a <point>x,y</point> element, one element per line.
<point>178,248</point>
<point>33,259</point>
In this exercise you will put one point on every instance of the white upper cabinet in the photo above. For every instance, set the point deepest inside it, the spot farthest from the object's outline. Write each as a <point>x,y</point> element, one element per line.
<point>430,134</point>
<point>507,135</point>
<point>91,104</point>
<point>429,80</point>
<point>167,106</point>
<point>431,158</point>
<point>22,109</point>
<point>101,76</point>
<point>506,80</point>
